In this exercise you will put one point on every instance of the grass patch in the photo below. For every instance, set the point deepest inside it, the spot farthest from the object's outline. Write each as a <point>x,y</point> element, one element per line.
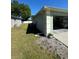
<point>24,26</point>
<point>23,45</point>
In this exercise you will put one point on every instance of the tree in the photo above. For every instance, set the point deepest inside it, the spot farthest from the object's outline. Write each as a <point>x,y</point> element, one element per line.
<point>18,9</point>
<point>14,8</point>
<point>25,11</point>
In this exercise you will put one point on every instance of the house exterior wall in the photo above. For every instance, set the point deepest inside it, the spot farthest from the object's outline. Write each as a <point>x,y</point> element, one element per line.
<point>15,22</point>
<point>49,24</point>
<point>40,22</point>
<point>44,21</point>
<point>27,22</point>
<point>18,22</point>
<point>58,14</point>
<point>12,22</point>
<point>51,16</point>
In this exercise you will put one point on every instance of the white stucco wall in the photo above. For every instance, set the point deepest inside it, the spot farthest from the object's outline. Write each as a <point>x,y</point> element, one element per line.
<point>12,22</point>
<point>40,21</point>
<point>27,22</point>
<point>18,23</point>
<point>49,24</point>
<point>44,23</point>
<point>15,22</point>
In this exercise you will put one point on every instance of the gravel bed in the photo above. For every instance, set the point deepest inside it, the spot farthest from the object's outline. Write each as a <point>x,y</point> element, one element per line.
<point>53,46</point>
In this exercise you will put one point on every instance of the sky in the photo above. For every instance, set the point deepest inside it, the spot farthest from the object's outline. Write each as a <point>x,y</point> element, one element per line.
<point>36,5</point>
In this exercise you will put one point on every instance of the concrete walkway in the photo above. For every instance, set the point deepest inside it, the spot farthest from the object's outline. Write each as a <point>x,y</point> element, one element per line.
<point>61,35</point>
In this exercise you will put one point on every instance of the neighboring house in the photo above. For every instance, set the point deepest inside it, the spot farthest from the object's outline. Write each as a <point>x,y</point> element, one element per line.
<point>29,20</point>
<point>16,21</point>
<point>48,19</point>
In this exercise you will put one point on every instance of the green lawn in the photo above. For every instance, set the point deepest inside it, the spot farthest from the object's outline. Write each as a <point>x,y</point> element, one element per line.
<point>23,45</point>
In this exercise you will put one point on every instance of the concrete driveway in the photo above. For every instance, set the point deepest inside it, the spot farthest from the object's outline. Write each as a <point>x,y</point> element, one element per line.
<point>61,35</point>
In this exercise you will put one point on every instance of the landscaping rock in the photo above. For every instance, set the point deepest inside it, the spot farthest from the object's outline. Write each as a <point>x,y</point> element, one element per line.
<point>53,45</point>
